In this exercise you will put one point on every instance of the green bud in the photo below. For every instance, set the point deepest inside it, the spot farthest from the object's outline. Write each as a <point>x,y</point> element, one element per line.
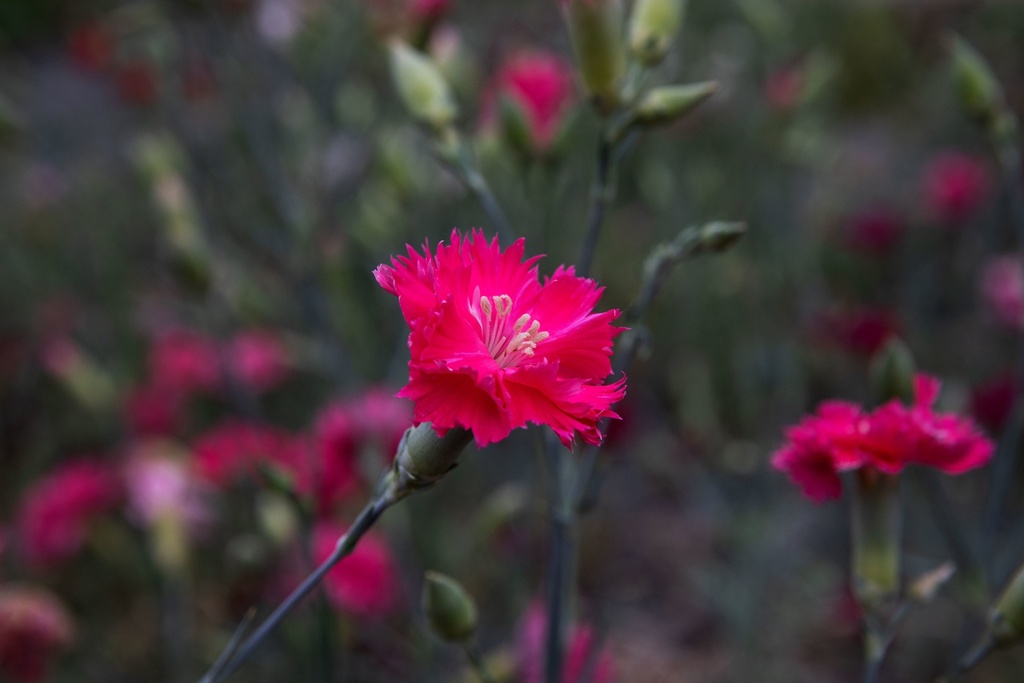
<point>652,27</point>
<point>595,27</point>
<point>424,458</point>
<point>423,89</point>
<point>892,372</point>
<point>450,609</point>
<point>671,102</point>
<point>1008,615</point>
<point>515,128</point>
<point>876,548</point>
<point>978,90</point>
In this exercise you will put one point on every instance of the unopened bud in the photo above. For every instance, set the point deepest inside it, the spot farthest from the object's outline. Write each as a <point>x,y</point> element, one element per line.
<point>652,27</point>
<point>671,102</point>
<point>450,609</point>
<point>424,458</point>
<point>514,126</point>
<point>423,89</point>
<point>976,87</point>
<point>595,27</point>
<point>876,531</point>
<point>1008,614</point>
<point>892,372</point>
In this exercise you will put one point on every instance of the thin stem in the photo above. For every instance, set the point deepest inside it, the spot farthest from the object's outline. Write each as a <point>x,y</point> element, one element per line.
<point>346,544</point>
<point>478,663</point>
<point>478,185</point>
<point>561,559</point>
<point>599,199</point>
<point>983,649</point>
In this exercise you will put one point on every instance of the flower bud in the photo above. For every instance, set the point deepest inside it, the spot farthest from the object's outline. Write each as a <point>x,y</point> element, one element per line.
<point>876,530</point>
<point>450,609</point>
<point>671,102</point>
<point>892,372</point>
<point>595,29</point>
<point>653,25</point>
<point>424,458</point>
<point>423,89</point>
<point>1008,614</point>
<point>976,87</point>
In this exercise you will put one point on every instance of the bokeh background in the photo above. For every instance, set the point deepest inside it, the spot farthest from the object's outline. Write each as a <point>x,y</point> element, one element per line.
<point>195,192</point>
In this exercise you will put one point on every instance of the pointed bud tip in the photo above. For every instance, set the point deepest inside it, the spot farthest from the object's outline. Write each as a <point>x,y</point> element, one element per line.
<point>450,609</point>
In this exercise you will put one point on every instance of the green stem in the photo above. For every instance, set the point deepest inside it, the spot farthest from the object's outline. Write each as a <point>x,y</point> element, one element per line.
<point>561,560</point>
<point>478,185</point>
<point>479,665</point>
<point>599,199</point>
<point>346,544</point>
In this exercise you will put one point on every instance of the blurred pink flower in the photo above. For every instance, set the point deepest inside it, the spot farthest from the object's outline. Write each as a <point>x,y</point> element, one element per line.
<point>366,582</point>
<point>861,331</point>
<point>54,513</point>
<point>137,81</point>
<point>493,349</point>
<point>373,419</point>
<point>874,231</point>
<point>955,185</point>
<point>159,485</point>
<point>540,84</point>
<point>185,362</point>
<point>235,449</point>
<point>578,654</point>
<point>90,46</point>
<point>783,88</point>
<point>842,437</point>
<point>258,359</point>
<point>429,10</point>
<point>992,402</point>
<point>34,627</point>
<point>151,410</point>
<point>1002,286</point>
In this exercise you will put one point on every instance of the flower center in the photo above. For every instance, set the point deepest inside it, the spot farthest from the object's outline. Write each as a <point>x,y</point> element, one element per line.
<point>508,349</point>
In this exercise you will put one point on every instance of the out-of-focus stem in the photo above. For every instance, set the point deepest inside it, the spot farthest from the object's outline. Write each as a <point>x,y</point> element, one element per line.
<point>561,558</point>
<point>346,544</point>
<point>600,196</point>
<point>481,189</point>
<point>479,665</point>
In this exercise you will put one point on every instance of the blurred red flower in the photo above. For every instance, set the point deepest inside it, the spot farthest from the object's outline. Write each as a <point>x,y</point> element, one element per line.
<point>492,348</point>
<point>539,84</point>
<point>578,654</point>
<point>955,185</point>
<point>34,627</point>
<point>861,331</point>
<point>992,402</point>
<point>152,410</point>
<point>90,46</point>
<point>258,359</point>
<point>54,513</point>
<point>137,82</point>
<point>842,437</point>
<point>429,10</point>
<point>1002,286</point>
<point>873,231</point>
<point>366,582</point>
<point>185,362</point>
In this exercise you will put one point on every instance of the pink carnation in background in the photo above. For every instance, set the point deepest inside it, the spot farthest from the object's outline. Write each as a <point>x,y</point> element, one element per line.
<point>992,401</point>
<point>185,362</point>
<point>366,582</point>
<point>34,627</point>
<point>258,359</point>
<point>373,419</point>
<point>55,512</point>
<point>955,184</point>
<point>151,410</point>
<point>842,436</point>
<point>578,652</point>
<point>540,84</point>
<point>861,331</point>
<point>491,348</point>
<point>1002,287</point>
<point>873,231</point>
<point>429,10</point>
<point>159,484</point>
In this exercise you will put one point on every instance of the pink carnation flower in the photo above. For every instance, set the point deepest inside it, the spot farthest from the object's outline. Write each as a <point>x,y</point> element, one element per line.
<point>843,437</point>
<point>873,231</point>
<point>540,85</point>
<point>366,582</point>
<point>54,513</point>
<point>992,402</point>
<point>861,331</point>
<point>185,362</point>
<point>159,485</point>
<point>374,419</point>
<point>492,348</point>
<point>1002,286</point>
<point>955,185</point>
<point>152,410</point>
<point>258,359</point>
<point>578,654</point>
<point>34,627</point>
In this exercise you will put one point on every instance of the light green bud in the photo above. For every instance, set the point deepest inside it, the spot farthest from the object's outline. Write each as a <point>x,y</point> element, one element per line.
<point>1008,614</point>
<point>976,87</point>
<point>671,102</point>
<point>892,372</point>
<point>423,89</point>
<point>652,27</point>
<point>595,27</point>
<point>450,609</point>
